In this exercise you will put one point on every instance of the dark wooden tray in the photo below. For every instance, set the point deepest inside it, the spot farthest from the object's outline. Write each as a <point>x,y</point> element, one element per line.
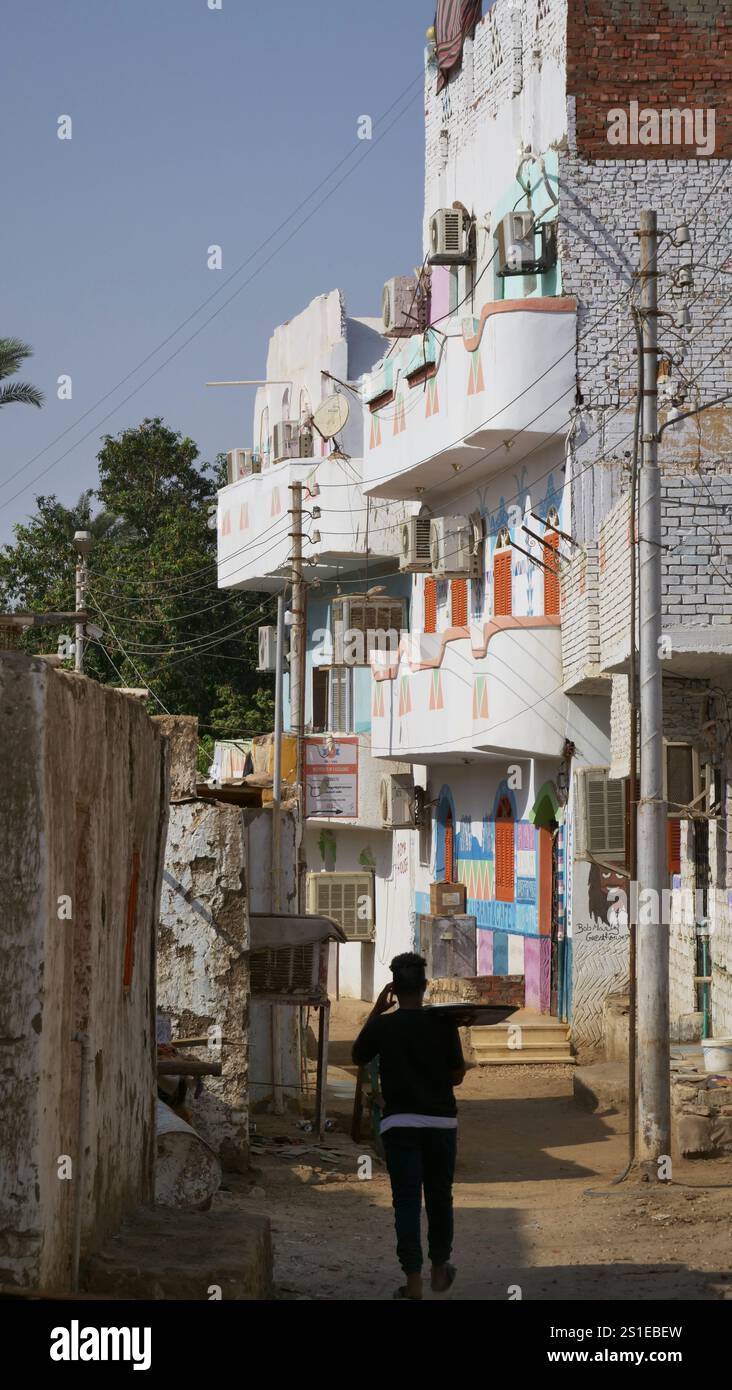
<point>473,1013</point>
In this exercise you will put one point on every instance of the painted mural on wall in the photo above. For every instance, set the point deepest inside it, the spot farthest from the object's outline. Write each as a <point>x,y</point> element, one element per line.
<point>509,940</point>
<point>599,948</point>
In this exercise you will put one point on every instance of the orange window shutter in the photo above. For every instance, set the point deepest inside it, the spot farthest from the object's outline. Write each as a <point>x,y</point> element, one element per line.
<point>504,863</point>
<point>551,574</point>
<point>448,875</point>
<point>430,604</point>
<point>674,846</point>
<point>459,599</point>
<point>502,583</point>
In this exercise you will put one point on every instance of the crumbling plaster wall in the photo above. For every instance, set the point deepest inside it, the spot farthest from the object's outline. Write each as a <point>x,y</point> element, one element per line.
<point>203,966</point>
<point>85,790</point>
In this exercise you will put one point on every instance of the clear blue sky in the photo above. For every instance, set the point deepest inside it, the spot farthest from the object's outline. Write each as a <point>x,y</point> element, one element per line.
<point>190,127</point>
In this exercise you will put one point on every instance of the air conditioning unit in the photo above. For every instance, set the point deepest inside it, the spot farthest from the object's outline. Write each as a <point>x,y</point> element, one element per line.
<point>241,463</point>
<point>291,440</point>
<point>451,239</point>
<point>396,802</point>
<point>415,556</point>
<point>601,815</point>
<point>267,649</point>
<point>403,307</point>
<point>517,233</point>
<point>347,898</point>
<point>455,548</point>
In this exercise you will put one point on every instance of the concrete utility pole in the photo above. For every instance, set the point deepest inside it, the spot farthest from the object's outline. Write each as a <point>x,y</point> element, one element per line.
<point>297,637</point>
<point>83,545</point>
<point>654,1093</point>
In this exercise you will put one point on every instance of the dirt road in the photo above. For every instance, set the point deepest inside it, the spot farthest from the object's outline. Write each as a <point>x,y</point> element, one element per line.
<point>534,1212</point>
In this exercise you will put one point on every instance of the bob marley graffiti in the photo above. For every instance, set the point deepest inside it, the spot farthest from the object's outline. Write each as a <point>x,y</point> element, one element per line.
<point>607,893</point>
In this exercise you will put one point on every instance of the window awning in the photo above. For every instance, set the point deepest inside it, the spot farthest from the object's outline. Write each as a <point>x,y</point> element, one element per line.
<point>274,931</point>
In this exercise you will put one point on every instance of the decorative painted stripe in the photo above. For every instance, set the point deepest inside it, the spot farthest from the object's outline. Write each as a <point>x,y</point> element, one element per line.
<point>435,700</point>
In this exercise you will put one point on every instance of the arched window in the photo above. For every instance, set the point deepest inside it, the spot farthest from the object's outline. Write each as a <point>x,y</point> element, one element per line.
<point>286,403</point>
<point>504,862</point>
<point>502,557</point>
<point>551,562</point>
<point>448,874</point>
<point>459,602</point>
<point>430,604</point>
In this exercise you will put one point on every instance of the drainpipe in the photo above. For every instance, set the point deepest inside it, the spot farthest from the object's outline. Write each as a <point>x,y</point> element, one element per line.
<point>80,1174</point>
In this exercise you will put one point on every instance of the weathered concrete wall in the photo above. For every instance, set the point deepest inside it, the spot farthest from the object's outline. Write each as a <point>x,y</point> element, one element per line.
<point>203,967</point>
<point>85,800</point>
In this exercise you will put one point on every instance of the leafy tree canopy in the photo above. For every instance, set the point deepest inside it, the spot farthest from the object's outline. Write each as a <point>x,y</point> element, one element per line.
<point>152,583</point>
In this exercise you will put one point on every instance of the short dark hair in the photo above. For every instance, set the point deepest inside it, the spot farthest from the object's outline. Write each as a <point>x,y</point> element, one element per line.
<point>410,973</point>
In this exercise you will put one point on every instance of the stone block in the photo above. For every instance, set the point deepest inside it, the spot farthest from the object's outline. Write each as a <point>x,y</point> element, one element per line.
<point>181,731</point>
<point>694,1136</point>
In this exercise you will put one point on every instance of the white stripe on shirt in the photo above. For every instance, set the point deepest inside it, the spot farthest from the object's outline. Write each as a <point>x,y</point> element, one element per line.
<point>417,1122</point>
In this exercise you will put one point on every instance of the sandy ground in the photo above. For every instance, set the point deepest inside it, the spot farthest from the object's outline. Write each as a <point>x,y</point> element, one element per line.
<point>533,1207</point>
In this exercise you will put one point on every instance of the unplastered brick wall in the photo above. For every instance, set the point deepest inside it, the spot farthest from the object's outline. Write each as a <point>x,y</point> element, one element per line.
<point>620,727</point>
<point>697,554</point>
<point>614,580</point>
<point>601,203</point>
<point>684,702</point>
<point>663,54</point>
<point>580,612</point>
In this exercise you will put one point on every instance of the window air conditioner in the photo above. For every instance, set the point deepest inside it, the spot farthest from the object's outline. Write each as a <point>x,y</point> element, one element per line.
<point>240,463</point>
<point>347,898</point>
<point>403,307</point>
<point>291,441</point>
<point>396,802</point>
<point>415,556</point>
<point>601,814</point>
<point>455,548</point>
<point>517,233</point>
<point>267,649</point>
<point>451,241</point>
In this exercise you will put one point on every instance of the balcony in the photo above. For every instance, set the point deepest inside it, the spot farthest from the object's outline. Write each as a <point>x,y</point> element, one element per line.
<point>254,524</point>
<point>442,404</point>
<point>491,690</point>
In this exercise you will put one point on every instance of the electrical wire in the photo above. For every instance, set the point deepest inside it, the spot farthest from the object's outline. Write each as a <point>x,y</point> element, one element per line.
<point>371,145</point>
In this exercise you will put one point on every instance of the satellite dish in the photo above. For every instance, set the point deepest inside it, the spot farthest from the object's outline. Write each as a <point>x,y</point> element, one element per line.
<point>331,415</point>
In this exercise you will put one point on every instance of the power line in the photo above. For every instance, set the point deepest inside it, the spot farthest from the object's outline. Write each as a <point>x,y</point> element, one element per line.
<point>371,145</point>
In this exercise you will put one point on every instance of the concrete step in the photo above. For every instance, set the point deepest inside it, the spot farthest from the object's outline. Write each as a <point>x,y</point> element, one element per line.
<point>533,1038</point>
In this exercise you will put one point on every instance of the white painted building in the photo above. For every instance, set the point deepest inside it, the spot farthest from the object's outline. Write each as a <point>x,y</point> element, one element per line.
<point>348,851</point>
<point>510,412</point>
<point>498,427</point>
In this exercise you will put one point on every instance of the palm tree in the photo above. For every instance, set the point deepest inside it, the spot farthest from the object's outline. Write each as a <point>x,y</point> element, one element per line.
<point>12,353</point>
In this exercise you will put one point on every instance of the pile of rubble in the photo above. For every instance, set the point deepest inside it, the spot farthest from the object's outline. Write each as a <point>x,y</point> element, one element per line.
<point>701,1107</point>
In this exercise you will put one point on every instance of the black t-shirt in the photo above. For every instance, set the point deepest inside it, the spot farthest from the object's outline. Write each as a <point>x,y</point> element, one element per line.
<point>417,1053</point>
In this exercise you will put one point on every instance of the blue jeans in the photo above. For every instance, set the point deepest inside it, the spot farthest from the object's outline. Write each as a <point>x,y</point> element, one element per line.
<point>417,1159</point>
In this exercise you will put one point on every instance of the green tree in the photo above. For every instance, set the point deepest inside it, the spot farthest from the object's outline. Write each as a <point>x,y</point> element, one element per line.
<point>13,352</point>
<point>152,583</point>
